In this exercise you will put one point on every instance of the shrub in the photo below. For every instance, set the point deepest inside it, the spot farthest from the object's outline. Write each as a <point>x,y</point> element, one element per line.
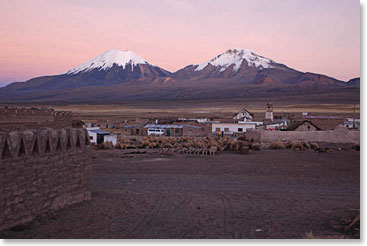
<point>241,138</point>
<point>167,145</point>
<point>298,146</point>
<point>314,146</point>
<point>145,144</point>
<point>289,144</point>
<point>356,146</point>
<point>233,146</point>
<point>152,145</point>
<point>277,145</point>
<point>106,145</point>
<point>306,145</point>
<point>256,146</point>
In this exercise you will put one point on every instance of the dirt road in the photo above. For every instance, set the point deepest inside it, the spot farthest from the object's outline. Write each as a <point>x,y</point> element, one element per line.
<point>266,194</point>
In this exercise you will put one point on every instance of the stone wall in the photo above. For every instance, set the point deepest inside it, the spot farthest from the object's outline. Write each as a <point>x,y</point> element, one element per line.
<point>40,171</point>
<point>339,135</point>
<point>17,118</point>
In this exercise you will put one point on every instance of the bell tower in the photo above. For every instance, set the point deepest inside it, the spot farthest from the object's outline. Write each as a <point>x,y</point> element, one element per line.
<point>269,112</point>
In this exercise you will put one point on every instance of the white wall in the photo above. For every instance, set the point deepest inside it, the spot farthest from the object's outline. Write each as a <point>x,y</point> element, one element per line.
<point>232,128</point>
<point>110,138</point>
<point>93,137</point>
<point>339,135</point>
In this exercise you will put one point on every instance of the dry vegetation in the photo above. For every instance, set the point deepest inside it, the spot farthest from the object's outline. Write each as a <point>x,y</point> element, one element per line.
<point>235,144</point>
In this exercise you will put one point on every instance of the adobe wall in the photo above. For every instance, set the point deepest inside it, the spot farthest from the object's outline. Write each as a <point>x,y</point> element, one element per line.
<point>18,118</point>
<point>339,135</point>
<point>194,131</point>
<point>40,171</point>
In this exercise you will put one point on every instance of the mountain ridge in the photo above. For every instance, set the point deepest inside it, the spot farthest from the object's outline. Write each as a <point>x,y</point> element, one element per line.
<point>124,75</point>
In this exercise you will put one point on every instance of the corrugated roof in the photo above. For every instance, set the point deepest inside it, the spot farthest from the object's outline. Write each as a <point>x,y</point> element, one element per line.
<point>162,126</point>
<point>197,127</point>
<point>98,131</point>
<point>170,126</point>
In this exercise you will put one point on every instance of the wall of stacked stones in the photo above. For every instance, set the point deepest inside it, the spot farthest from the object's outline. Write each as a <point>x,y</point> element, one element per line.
<point>40,171</point>
<point>339,135</point>
<point>26,118</point>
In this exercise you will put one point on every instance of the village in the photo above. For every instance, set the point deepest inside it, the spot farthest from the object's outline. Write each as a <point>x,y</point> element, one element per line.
<point>277,126</point>
<point>67,175</point>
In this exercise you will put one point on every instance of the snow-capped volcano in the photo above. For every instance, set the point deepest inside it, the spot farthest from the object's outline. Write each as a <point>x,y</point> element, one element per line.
<point>108,59</point>
<point>236,57</point>
<point>116,76</point>
<point>238,64</point>
<point>112,67</point>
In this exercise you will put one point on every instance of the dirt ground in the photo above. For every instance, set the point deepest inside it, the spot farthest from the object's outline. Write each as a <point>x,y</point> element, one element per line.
<point>265,194</point>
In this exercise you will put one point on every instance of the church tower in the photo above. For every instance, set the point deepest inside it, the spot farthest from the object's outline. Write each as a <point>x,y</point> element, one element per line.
<point>269,112</point>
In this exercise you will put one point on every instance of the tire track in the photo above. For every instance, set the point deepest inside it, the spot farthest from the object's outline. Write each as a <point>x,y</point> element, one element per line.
<point>148,218</point>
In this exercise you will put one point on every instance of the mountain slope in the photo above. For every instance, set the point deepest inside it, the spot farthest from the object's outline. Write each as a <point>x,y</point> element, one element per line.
<point>123,75</point>
<point>110,68</point>
<point>248,67</point>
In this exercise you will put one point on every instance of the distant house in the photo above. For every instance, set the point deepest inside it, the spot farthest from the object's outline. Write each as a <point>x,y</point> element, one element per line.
<point>305,125</point>
<point>98,136</point>
<point>325,122</point>
<point>352,123</point>
<point>178,130</point>
<point>133,130</point>
<point>256,123</point>
<point>243,115</point>
<point>278,124</point>
<point>231,128</point>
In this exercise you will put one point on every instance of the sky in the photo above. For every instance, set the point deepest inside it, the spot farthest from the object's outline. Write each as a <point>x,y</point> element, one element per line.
<point>42,37</point>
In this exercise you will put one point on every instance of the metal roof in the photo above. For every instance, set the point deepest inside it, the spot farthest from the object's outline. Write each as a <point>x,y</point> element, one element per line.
<point>197,127</point>
<point>170,126</point>
<point>98,131</point>
<point>162,126</point>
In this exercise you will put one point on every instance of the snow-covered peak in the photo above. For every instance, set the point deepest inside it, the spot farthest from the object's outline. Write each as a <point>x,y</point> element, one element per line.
<point>236,57</point>
<point>108,59</point>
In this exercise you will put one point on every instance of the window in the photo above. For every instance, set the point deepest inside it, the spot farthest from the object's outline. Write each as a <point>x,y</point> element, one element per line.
<point>240,129</point>
<point>91,137</point>
<point>217,129</point>
<point>190,132</point>
<point>226,129</point>
<point>177,131</point>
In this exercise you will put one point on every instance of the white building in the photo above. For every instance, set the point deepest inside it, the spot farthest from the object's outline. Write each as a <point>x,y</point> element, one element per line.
<point>231,128</point>
<point>256,123</point>
<point>243,115</point>
<point>276,126</point>
<point>352,123</point>
<point>98,136</point>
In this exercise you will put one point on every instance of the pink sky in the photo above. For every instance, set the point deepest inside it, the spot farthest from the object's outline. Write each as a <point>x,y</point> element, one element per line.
<point>42,37</point>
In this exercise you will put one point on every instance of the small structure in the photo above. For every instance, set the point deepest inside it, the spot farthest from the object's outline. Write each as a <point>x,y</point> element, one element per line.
<point>269,112</point>
<point>256,123</point>
<point>231,128</point>
<point>98,136</point>
<point>325,122</point>
<point>178,130</point>
<point>196,120</point>
<point>133,130</point>
<point>278,124</point>
<point>352,123</point>
<point>243,115</point>
<point>305,125</point>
